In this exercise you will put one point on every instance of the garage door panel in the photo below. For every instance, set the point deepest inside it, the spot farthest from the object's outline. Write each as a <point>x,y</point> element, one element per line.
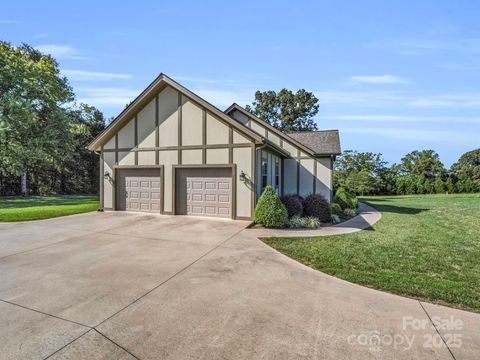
<point>138,190</point>
<point>204,192</point>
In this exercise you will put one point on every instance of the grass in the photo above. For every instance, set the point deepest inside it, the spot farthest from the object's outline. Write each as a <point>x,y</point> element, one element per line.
<point>17,208</point>
<point>425,246</point>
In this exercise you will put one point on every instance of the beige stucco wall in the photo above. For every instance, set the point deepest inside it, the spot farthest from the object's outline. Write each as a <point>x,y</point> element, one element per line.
<point>217,133</point>
<point>299,161</point>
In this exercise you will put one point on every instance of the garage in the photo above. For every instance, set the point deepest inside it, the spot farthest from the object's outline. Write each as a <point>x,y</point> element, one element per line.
<point>204,192</point>
<point>138,189</point>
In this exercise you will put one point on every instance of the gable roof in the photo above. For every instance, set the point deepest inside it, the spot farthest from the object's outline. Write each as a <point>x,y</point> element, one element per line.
<point>312,146</point>
<point>322,142</point>
<point>148,94</point>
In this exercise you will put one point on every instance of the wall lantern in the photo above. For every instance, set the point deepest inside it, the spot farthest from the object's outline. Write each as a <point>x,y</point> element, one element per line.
<point>242,176</point>
<point>106,176</point>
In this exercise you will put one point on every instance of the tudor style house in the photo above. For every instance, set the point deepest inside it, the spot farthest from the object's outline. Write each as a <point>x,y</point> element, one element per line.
<point>172,152</point>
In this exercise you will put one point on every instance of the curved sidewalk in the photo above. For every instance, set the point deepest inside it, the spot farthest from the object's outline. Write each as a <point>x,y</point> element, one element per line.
<point>367,217</point>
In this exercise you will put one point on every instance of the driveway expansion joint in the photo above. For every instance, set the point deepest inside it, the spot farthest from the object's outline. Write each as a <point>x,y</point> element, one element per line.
<point>436,329</point>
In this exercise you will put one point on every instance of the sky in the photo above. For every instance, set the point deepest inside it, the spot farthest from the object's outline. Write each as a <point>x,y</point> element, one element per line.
<point>392,76</point>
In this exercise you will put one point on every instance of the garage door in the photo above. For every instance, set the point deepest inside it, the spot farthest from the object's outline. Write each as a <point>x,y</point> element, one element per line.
<point>138,190</point>
<point>204,192</point>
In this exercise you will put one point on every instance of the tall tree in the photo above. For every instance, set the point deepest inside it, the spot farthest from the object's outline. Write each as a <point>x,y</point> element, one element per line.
<point>33,123</point>
<point>285,110</point>
<point>467,171</point>
<point>422,163</point>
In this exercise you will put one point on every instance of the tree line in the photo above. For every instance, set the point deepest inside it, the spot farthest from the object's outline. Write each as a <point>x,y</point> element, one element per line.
<point>43,132</point>
<point>419,172</point>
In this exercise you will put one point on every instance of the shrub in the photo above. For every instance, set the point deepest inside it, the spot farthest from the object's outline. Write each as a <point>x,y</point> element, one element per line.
<point>345,199</point>
<point>311,222</point>
<point>355,202</point>
<point>335,218</point>
<point>295,222</point>
<point>270,211</point>
<point>317,206</point>
<point>350,212</point>
<point>294,204</point>
<point>336,209</point>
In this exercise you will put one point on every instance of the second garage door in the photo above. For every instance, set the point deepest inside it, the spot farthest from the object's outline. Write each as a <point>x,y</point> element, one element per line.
<point>204,192</point>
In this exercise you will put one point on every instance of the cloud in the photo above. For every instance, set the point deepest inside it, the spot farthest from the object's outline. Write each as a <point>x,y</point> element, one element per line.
<point>458,67</point>
<point>61,51</point>
<point>380,79</point>
<point>419,46</point>
<point>403,118</point>
<point>429,136</point>
<point>82,75</point>
<point>448,100</point>
<point>40,35</point>
<point>8,21</point>
<point>109,97</point>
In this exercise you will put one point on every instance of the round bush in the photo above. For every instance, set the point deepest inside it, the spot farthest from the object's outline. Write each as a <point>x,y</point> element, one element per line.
<point>295,222</point>
<point>270,211</point>
<point>344,199</point>
<point>317,206</point>
<point>336,209</point>
<point>294,204</point>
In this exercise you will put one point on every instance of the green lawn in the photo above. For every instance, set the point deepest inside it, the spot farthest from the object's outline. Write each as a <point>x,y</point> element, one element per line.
<point>425,246</point>
<point>16,208</point>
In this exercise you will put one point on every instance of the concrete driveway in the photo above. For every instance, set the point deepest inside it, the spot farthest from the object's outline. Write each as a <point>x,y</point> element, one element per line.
<point>127,286</point>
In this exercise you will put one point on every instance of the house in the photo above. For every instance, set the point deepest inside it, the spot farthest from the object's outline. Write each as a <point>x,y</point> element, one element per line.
<point>172,152</point>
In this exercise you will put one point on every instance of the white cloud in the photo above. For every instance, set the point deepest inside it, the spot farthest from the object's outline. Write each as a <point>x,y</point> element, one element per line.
<point>82,75</point>
<point>447,100</point>
<point>8,21</point>
<point>403,118</point>
<point>419,46</point>
<point>380,79</point>
<point>60,51</point>
<point>106,96</point>
<point>429,136</point>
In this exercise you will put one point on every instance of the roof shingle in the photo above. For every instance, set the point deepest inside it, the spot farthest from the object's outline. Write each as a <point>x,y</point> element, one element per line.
<point>321,142</point>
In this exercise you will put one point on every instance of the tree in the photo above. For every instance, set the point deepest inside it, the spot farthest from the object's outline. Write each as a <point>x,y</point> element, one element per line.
<point>450,185</point>
<point>360,172</point>
<point>420,185</point>
<point>467,171</point>
<point>422,163</point>
<point>32,119</point>
<point>285,110</point>
<point>428,187</point>
<point>439,185</point>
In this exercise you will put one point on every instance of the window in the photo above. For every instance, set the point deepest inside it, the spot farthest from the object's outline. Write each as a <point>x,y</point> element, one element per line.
<point>277,174</point>
<point>264,172</point>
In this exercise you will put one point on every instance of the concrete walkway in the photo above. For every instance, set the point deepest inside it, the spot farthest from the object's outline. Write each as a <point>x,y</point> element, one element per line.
<point>367,217</point>
<point>133,286</point>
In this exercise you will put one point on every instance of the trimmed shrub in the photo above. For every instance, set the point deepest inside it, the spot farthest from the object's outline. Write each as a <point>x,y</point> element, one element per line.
<point>311,222</point>
<point>317,206</point>
<point>355,202</point>
<point>295,222</point>
<point>344,199</point>
<point>335,218</point>
<point>336,209</point>
<point>270,211</point>
<point>294,204</point>
<point>350,212</point>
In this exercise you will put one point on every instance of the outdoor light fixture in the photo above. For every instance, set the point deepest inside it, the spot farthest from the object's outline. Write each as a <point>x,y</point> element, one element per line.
<point>242,176</point>
<point>106,176</point>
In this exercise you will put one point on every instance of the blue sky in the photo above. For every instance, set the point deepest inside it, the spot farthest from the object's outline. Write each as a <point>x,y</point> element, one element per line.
<point>392,76</point>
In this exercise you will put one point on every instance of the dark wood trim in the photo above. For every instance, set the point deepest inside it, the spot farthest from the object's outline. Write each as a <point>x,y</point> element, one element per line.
<point>230,142</point>
<point>204,136</point>
<point>102,180</point>
<point>233,168</point>
<point>136,139</point>
<point>253,150</point>
<point>157,130</point>
<point>314,176</point>
<point>298,172</point>
<point>179,110</point>
<point>116,149</point>
<point>120,167</point>
<point>184,147</point>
